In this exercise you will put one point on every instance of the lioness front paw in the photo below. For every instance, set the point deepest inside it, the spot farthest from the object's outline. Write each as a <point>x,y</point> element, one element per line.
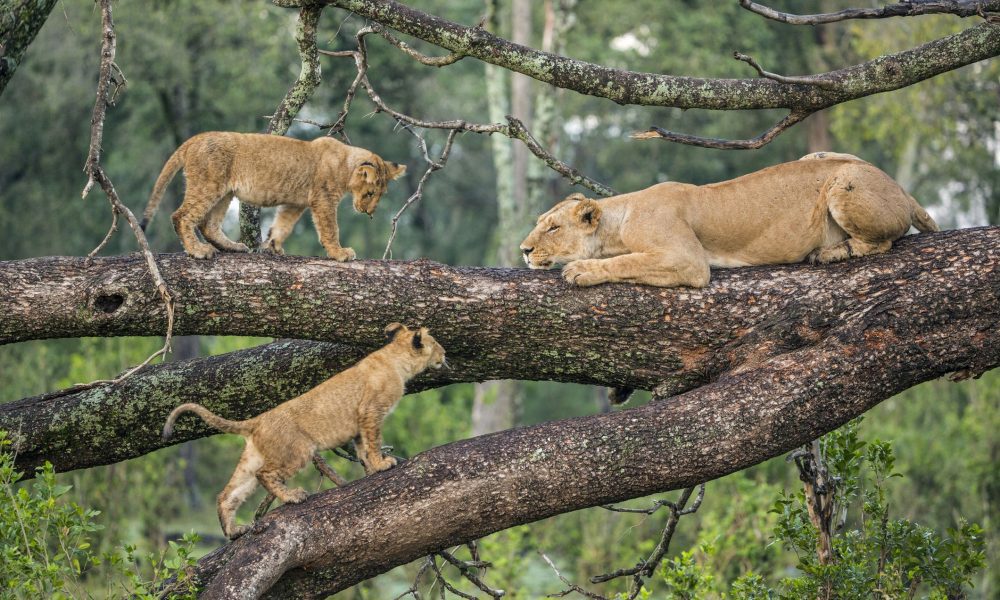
<point>584,272</point>
<point>342,254</point>
<point>203,252</point>
<point>296,496</point>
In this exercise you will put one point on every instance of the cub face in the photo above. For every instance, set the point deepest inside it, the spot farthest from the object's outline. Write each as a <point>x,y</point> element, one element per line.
<point>369,181</point>
<point>419,343</point>
<point>567,232</point>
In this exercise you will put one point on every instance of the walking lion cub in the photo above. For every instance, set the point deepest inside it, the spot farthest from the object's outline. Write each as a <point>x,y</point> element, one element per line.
<point>825,207</point>
<point>351,405</point>
<point>269,170</point>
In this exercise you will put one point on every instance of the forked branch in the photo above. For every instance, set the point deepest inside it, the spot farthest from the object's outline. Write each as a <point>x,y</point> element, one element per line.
<point>910,8</point>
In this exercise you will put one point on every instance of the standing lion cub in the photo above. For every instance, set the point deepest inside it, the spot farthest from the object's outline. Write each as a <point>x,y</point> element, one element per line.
<point>349,406</point>
<point>825,207</point>
<point>269,170</point>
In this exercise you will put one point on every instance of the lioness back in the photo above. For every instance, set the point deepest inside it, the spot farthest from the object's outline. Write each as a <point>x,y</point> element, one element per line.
<point>826,208</point>
<point>269,170</point>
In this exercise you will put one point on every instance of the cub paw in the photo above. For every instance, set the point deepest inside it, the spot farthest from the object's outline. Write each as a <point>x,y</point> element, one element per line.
<point>240,247</point>
<point>203,252</point>
<point>342,254</point>
<point>583,273</point>
<point>296,496</point>
<point>272,247</point>
<point>237,531</point>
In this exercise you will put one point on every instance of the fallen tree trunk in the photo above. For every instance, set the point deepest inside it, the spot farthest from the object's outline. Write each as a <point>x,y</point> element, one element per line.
<point>494,323</point>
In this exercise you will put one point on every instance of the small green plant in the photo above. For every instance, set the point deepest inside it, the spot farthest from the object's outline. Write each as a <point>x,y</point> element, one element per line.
<point>881,557</point>
<point>45,546</point>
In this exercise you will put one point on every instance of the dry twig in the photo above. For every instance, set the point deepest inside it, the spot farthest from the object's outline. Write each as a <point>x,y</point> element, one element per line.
<point>909,8</point>
<point>95,174</point>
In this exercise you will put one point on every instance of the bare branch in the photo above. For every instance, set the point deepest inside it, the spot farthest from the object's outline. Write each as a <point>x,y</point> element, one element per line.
<point>808,80</point>
<point>431,61</point>
<point>95,174</point>
<point>910,8</point>
<point>703,142</point>
<point>468,570</point>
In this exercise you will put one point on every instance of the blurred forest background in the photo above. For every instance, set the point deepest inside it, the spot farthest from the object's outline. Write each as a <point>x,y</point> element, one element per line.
<point>196,66</point>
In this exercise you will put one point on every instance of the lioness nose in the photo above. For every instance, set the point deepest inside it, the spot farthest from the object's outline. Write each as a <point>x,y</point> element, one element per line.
<point>526,251</point>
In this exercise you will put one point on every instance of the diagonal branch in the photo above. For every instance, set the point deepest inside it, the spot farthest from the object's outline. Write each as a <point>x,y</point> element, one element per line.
<point>703,142</point>
<point>497,481</point>
<point>909,8</point>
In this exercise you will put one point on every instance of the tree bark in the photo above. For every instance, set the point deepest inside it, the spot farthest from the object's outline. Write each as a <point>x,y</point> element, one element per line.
<point>20,22</point>
<point>881,74</point>
<point>917,319</point>
<point>494,323</point>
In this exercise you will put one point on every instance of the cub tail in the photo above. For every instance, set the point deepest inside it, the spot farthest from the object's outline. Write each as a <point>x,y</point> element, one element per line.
<point>921,220</point>
<point>174,164</point>
<point>224,425</point>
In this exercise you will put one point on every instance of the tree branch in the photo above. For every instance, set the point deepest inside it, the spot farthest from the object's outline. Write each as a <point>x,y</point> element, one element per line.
<point>882,74</point>
<point>910,8</point>
<point>20,22</point>
<point>491,321</point>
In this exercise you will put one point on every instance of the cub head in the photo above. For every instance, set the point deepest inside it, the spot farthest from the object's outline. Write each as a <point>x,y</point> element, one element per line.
<point>418,344</point>
<point>566,233</point>
<point>369,181</point>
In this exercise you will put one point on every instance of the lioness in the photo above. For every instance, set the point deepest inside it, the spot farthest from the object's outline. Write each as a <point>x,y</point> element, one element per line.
<point>269,170</point>
<point>824,207</point>
<point>349,406</point>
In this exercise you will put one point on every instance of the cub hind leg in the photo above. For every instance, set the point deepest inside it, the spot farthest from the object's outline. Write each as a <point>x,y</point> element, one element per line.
<point>240,486</point>
<point>194,210</point>
<point>870,207</point>
<point>211,230</point>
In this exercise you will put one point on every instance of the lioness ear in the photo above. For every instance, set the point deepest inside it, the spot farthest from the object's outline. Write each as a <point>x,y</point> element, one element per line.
<point>589,213</point>
<point>396,170</point>
<point>418,341</point>
<point>576,196</point>
<point>392,329</point>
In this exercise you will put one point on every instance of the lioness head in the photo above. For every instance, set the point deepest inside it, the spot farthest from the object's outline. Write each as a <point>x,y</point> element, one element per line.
<point>418,344</point>
<point>369,180</point>
<point>564,234</point>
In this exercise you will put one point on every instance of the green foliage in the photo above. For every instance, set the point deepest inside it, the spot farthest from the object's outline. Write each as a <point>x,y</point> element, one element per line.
<point>46,550</point>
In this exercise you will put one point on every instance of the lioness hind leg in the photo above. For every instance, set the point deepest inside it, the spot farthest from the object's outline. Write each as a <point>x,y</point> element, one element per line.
<point>848,248</point>
<point>870,207</point>
<point>212,229</point>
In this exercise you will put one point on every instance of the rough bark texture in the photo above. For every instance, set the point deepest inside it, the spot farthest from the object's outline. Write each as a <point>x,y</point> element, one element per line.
<point>919,314</point>
<point>882,74</point>
<point>495,324</point>
<point>20,21</point>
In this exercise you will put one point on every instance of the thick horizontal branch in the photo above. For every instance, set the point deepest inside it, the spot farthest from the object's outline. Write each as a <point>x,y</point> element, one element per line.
<point>915,328</point>
<point>882,74</point>
<point>909,8</point>
<point>495,323</point>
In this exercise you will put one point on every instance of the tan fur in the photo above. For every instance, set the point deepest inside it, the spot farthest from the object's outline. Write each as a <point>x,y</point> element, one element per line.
<point>269,170</point>
<point>349,406</point>
<point>825,207</point>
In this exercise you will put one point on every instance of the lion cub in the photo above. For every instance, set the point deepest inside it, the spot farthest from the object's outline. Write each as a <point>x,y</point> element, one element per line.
<point>269,170</point>
<point>349,406</point>
<point>825,207</point>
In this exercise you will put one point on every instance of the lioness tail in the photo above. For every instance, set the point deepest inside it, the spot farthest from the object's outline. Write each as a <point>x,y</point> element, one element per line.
<point>223,425</point>
<point>921,220</point>
<point>174,164</point>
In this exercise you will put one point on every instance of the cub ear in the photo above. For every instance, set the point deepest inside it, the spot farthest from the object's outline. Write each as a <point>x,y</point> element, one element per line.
<point>588,212</point>
<point>575,196</point>
<point>366,171</point>
<point>418,341</point>
<point>396,170</point>
<point>392,329</point>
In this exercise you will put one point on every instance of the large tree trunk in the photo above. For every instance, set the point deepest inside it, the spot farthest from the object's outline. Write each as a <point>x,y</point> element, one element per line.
<point>495,324</point>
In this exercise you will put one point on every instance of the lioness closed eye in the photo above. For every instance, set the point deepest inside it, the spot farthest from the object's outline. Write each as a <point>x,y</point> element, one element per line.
<point>349,406</point>
<point>269,170</point>
<point>825,207</point>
